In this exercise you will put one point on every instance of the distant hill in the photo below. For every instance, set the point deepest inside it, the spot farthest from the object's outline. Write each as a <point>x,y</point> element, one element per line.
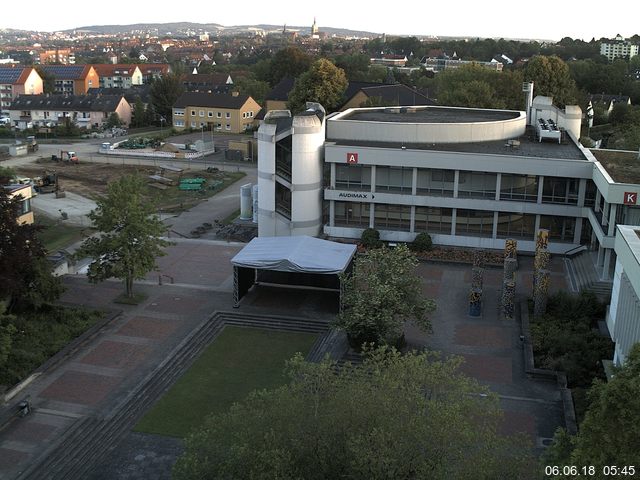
<point>180,27</point>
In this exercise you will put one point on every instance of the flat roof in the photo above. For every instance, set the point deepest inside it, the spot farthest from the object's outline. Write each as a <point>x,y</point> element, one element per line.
<point>528,147</point>
<point>429,114</point>
<point>623,167</point>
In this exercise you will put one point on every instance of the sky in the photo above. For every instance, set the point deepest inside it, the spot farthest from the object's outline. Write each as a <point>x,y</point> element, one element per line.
<point>550,20</point>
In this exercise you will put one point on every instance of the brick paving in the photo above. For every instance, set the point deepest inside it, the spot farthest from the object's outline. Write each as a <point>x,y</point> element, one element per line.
<point>148,327</point>
<point>116,355</point>
<point>80,387</point>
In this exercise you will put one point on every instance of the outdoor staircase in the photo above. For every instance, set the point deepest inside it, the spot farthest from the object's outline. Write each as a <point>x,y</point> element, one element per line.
<point>91,439</point>
<point>585,277</point>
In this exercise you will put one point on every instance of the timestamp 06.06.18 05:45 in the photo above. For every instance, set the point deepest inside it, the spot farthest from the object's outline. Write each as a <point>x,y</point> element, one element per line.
<point>622,471</point>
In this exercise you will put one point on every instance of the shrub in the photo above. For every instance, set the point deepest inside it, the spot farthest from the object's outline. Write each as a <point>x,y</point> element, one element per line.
<point>371,238</point>
<point>422,242</point>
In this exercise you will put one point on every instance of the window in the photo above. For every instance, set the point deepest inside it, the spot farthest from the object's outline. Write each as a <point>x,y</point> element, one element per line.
<point>351,214</point>
<point>227,115</point>
<point>244,114</point>
<point>392,217</point>
<point>202,113</point>
<point>218,126</point>
<point>560,228</point>
<point>228,127</point>
<point>394,179</point>
<point>353,177</point>
<point>590,194</point>
<point>210,114</point>
<point>560,190</point>
<point>193,124</point>
<point>477,185</point>
<point>435,182</point>
<point>193,113</point>
<point>251,114</point>
<point>522,188</point>
<point>516,225</point>
<point>474,222</point>
<point>283,201</point>
<point>433,220</point>
<point>219,114</point>
<point>179,123</point>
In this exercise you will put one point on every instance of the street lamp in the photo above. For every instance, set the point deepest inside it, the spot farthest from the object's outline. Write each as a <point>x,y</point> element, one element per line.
<point>162,119</point>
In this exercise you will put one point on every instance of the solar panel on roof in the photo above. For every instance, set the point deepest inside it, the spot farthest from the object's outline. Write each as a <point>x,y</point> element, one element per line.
<point>65,71</point>
<point>10,75</point>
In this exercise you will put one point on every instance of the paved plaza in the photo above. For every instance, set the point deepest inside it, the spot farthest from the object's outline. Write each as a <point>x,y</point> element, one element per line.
<point>94,378</point>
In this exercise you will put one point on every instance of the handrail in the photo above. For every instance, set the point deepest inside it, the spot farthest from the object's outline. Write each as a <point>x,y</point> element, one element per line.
<point>574,250</point>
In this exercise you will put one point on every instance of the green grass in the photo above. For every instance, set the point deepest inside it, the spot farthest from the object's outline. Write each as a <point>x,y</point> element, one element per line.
<point>231,217</point>
<point>239,361</point>
<point>57,235</point>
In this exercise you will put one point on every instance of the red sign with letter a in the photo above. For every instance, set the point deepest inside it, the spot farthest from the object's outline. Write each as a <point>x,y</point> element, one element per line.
<point>352,158</point>
<point>630,198</point>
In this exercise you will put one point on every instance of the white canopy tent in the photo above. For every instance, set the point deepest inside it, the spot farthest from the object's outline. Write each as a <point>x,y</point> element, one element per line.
<point>301,261</point>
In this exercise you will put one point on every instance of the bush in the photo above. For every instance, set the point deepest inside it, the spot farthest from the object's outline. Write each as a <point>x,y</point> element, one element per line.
<point>371,238</point>
<point>422,242</point>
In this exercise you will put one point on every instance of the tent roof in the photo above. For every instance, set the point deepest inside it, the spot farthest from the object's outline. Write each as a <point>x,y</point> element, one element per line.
<point>295,254</point>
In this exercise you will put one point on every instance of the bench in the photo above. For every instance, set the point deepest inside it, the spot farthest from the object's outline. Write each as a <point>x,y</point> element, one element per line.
<point>161,179</point>
<point>171,169</point>
<point>159,186</point>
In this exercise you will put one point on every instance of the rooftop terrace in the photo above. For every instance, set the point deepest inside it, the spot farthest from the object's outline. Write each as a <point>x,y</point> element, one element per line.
<point>430,115</point>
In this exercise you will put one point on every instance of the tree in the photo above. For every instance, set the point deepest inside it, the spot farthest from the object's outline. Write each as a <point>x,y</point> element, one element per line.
<point>609,434</point>
<point>48,80</point>
<point>164,93</point>
<point>288,62</point>
<point>139,114</point>
<point>25,273</point>
<point>394,417</point>
<point>256,89</point>
<point>113,120</point>
<point>323,83</point>
<point>551,78</point>
<point>381,294</point>
<point>129,241</point>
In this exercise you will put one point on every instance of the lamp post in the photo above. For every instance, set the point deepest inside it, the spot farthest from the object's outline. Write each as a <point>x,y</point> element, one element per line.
<point>162,119</point>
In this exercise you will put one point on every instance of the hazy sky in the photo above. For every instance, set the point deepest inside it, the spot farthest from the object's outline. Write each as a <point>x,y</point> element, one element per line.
<point>547,19</point>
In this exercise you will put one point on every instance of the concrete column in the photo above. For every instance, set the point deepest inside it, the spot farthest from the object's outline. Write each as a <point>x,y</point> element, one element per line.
<point>577,233</point>
<point>498,185</point>
<point>412,224</point>
<point>582,191</point>
<point>613,209</point>
<point>332,213</point>
<point>536,227</point>
<point>456,182</point>
<point>606,264</point>
<point>372,214</point>
<point>596,207</point>
<point>540,186</point>
<point>494,232</point>
<point>454,213</point>
<point>373,178</point>
<point>414,184</point>
<point>600,258</point>
<point>605,214</point>
<point>333,176</point>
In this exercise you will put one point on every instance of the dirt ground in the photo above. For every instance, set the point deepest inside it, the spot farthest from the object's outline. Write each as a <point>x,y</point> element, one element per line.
<point>91,180</point>
<point>86,179</point>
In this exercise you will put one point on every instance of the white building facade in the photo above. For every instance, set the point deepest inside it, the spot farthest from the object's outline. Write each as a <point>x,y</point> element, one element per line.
<point>618,48</point>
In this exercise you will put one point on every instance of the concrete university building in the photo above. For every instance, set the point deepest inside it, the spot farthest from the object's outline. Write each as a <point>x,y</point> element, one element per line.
<point>468,177</point>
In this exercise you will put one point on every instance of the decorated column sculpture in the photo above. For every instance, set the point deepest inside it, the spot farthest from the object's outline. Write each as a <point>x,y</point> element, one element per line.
<point>508,297</point>
<point>541,294</point>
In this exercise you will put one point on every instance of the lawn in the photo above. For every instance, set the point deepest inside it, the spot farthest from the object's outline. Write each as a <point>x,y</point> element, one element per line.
<point>239,361</point>
<point>57,235</point>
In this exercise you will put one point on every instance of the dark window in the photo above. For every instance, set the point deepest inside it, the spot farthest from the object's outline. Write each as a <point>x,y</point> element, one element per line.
<point>433,220</point>
<point>560,228</point>
<point>474,222</point>
<point>353,177</point>
<point>477,185</point>
<point>516,225</point>
<point>351,214</point>
<point>392,217</point>
<point>435,182</point>
<point>283,201</point>
<point>560,190</point>
<point>522,188</point>
<point>394,179</point>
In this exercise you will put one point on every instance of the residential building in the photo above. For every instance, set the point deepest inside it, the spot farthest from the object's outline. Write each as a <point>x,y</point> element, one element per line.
<point>16,81</point>
<point>210,83</point>
<point>231,113</point>
<point>61,56</point>
<point>607,102</point>
<point>438,64</point>
<point>86,111</point>
<point>118,75</point>
<point>618,48</point>
<point>623,315</point>
<point>73,79</point>
<point>359,94</point>
<point>151,71</point>
<point>390,60</point>
<point>24,192</point>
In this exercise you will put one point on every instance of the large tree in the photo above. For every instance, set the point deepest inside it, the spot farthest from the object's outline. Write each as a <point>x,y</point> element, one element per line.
<point>551,78</point>
<point>381,294</point>
<point>609,433</point>
<point>164,93</point>
<point>288,62</point>
<point>323,83</point>
<point>395,417</point>
<point>25,273</point>
<point>129,239</point>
